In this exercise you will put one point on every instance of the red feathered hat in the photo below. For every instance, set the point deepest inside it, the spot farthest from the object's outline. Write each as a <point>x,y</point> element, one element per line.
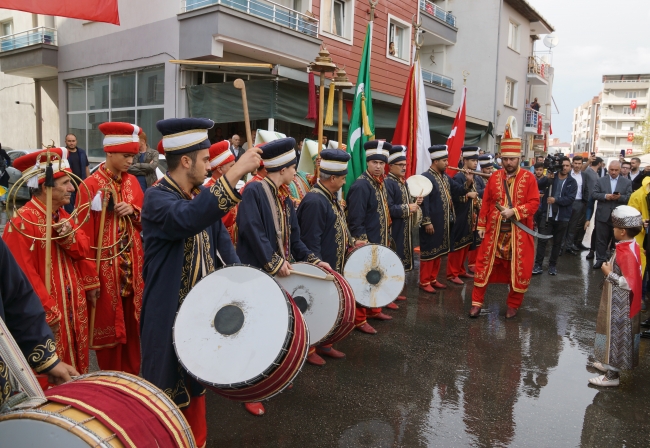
<point>37,162</point>
<point>121,137</point>
<point>220,154</point>
<point>160,148</point>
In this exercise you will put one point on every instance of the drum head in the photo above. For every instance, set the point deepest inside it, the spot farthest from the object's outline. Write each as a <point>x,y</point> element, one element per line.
<point>28,433</point>
<point>375,274</point>
<point>318,300</point>
<point>232,327</point>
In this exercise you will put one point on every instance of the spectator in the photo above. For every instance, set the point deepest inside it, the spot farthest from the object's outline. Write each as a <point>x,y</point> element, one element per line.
<point>575,230</point>
<point>635,163</point>
<point>556,211</point>
<point>218,135</point>
<point>542,185</point>
<point>538,159</point>
<point>5,162</point>
<point>535,105</point>
<point>299,149</point>
<point>626,167</point>
<point>391,49</point>
<point>591,177</point>
<point>253,136</point>
<point>79,164</point>
<point>145,164</point>
<point>235,146</point>
<point>325,141</point>
<point>610,191</point>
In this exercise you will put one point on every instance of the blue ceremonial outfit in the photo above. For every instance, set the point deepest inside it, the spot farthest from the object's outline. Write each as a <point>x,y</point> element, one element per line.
<point>22,312</point>
<point>399,198</point>
<point>266,220</point>
<point>462,232</point>
<point>184,240</point>
<point>321,218</point>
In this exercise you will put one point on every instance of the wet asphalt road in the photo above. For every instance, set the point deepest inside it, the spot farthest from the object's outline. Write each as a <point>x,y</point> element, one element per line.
<point>432,377</point>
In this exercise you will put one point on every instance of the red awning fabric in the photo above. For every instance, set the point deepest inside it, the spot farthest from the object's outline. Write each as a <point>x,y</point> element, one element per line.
<point>94,10</point>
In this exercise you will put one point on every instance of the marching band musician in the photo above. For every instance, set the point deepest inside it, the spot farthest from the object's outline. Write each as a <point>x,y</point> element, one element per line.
<point>485,165</point>
<point>368,215</point>
<point>438,217</point>
<point>116,338</point>
<point>221,160</point>
<point>401,207</point>
<point>73,280</point>
<point>185,240</point>
<point>466,208</point>
<point>323,228</point>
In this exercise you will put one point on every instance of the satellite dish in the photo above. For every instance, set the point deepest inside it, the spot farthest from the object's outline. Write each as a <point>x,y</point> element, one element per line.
<point>551,41</point>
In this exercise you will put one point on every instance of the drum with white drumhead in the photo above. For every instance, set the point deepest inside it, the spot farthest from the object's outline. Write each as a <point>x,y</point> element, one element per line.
<point>375,274</point>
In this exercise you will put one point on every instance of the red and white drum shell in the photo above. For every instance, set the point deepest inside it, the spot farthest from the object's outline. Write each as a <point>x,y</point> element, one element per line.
<point>328,306</point>
<point>240,334</point>
<point>376,275</point>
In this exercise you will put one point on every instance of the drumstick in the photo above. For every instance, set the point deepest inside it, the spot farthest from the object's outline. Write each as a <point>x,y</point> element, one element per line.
<point>239,84</point>
<point>328,277</point>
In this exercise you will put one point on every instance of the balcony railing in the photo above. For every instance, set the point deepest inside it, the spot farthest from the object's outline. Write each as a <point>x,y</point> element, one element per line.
<point>436,11</point>
<point>531,118</point>
<point>40,35</point>
<point>438,80</point>
<point>537,67</point>
<point>263,9</point>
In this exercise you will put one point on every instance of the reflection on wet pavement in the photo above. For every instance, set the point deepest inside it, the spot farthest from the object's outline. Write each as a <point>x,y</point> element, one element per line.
<point>433,377</point>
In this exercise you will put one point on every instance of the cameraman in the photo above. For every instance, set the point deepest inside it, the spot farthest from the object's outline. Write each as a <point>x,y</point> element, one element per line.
<point>557,206</point>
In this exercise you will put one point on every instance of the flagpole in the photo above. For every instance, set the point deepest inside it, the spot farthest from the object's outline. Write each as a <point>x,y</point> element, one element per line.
<point>341,82</point>
<point>322,64</point>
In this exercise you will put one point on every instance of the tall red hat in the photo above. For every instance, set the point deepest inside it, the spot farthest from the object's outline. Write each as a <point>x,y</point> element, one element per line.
<point>37,162</point>
<point>121,137</point>
<point>160,148</point>
<point>220,154</point>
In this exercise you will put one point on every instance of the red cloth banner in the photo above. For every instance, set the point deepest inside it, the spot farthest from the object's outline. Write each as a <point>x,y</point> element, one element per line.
<point>630,136</point>
<point>633,104</point>
<point>93,10</point>
<point>628,151</point>
<point>456,138</point>
<point>539,124</point>
<point>407,124</point>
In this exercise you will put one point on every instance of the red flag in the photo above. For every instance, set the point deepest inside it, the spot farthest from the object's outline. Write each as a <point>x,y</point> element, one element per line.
<point>539,124</point>
<point>407,123</point>
<point>94,10</point>
<point>456,138</point>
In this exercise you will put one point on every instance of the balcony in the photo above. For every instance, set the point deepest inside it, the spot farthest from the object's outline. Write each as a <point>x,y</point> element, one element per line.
<point>532,119</point>
<point>439,89</point>
<point>619,116</point>
<point>32,53</point>
<point>439,26</point>
<point>537,71</point>
<point>258,29</point>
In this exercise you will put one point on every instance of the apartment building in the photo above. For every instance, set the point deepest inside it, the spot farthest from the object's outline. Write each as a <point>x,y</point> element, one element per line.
<point>584,133</point>
<point>178,58</point>
<point>624,107</point>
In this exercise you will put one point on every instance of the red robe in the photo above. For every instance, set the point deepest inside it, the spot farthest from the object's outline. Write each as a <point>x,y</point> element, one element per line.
<point>525,201</point>
<point>229,220</point>
<point>112,314</point>
<point>71,272</point>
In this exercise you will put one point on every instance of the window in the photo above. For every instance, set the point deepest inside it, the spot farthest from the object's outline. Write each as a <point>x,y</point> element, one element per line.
<point>513,36</point>
<point>7,28</point>
<point>511,93</point>
<point>336,18</point>
<point>631,94</point>
<point>627,110</point>
<point>627,126</point>
<point>399,40</point>
<point>135,96</point>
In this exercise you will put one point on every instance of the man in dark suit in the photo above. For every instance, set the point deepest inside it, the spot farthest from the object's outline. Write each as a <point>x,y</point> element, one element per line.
<point>575,231</point>
<point>591,177</point>
<point>235,147</point>
<point>610,191</point>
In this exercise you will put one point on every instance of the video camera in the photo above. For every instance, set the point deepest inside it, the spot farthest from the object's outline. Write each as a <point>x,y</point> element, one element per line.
<point>553,162</point>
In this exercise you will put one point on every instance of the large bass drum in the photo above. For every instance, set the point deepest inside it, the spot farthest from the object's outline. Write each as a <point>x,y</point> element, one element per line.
<point>327,305</point>
<point>375,274</point>
<point>240,334</point>
<point>101,409</point>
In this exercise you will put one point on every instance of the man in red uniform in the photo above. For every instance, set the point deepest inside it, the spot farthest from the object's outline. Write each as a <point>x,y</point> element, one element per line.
<point>507,252</point>
<point>73,280</point>
<point>116,336</point>
<point>221,160</point>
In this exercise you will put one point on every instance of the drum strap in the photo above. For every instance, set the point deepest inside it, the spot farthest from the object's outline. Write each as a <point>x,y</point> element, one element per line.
<point>276,216</point>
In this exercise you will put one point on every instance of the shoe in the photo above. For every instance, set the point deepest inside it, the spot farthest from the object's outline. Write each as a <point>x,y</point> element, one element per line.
<point>582,247</point>
<point>645,334</point>
<point>381,316</point>
<point>470,270</point>
<point>590,255</point>
<point>597,265</point>
<point>537,269</point>
<point>552,270</point>
<point>511,312</point>
<point>646,323</point>
<point>392,306</point>
<point>427,288</point>
<point>466,275</point>
<point>315,360</point>
<point>255,408</point>
<point>367,329</point>
<point>598,366</point>
<point>455,280</point>
<point>401,298</point>
<point>603,382</point>
<point>573,251</point>
<point>475,311</point>
<point>561,252</point>
<point>438,285</point>
<point>330,352</point>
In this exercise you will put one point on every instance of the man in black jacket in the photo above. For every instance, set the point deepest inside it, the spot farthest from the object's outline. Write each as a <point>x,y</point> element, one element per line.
<point>556,211</point>
<point>575,231</point>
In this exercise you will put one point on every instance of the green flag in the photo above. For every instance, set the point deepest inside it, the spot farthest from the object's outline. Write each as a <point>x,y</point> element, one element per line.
<point>356,135</point>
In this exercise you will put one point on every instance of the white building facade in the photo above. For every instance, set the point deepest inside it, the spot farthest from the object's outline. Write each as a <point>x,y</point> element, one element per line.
<point>584,132</point>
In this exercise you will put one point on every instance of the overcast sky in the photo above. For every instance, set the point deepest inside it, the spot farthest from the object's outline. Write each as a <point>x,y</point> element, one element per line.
<point>596,37</point>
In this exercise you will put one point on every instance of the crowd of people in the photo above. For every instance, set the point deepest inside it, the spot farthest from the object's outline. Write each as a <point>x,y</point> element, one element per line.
<point>118,278</point>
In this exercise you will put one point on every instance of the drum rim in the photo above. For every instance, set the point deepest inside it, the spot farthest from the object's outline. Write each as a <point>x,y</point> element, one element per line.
<point>276,361</point>
<point>346,325</point>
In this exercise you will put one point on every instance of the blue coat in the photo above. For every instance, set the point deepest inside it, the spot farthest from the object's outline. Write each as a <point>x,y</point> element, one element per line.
<point>22,312</point>
<point>438,209</point>
<point>563,206</point>
<point>323,228</point>
<point>257,242</point>
<point>367,210</point>
<point>462,232</point>
<point>401,227</point>
<point>180,236</point>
